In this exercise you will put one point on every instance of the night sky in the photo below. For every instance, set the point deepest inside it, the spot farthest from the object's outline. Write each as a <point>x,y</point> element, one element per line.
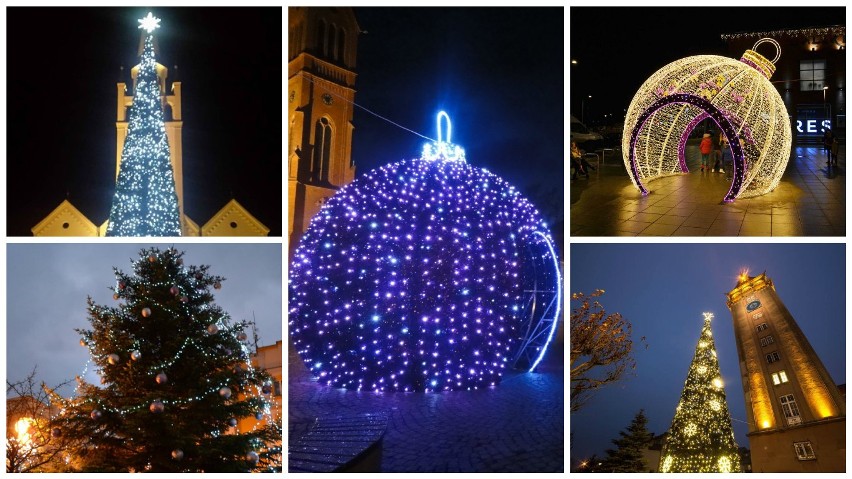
<point>497,72</point>
<point>63,66</point>
<point>47,298</point>
<point>662,289</point>
<point>618,48</point>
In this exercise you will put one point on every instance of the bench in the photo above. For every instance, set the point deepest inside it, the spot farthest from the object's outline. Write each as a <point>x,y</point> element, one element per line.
<point>340,444</point>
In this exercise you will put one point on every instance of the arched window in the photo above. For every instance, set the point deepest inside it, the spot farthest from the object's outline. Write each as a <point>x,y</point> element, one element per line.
<point>322,34</point>
<point>322,151</point>
<point>341,45</point>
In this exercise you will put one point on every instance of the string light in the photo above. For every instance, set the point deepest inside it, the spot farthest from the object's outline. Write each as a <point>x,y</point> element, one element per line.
<point>736,95</point>
<point>145,201</point>
<point>701,438</point>
<point>410,277</point>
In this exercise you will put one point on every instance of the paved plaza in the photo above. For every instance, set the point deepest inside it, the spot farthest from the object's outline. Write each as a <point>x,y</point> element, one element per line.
<point>809,201</point>
<point>515,427</point>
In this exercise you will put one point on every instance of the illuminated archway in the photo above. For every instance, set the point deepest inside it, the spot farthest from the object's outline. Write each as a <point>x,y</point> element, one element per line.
<point>736,95</point>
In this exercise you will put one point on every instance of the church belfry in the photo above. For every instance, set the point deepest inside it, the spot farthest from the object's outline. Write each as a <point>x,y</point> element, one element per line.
<point>796,414</point>
<point>323,44</point>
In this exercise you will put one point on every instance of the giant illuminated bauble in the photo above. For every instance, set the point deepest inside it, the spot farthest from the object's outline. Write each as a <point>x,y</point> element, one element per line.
<point>736,95</point>
<point>411,278</point>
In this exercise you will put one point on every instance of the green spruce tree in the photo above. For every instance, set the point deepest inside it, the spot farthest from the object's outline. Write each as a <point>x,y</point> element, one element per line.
<point>701,438</point>
<point>176,380</point>
<point>628,456</point>
<point>145,201</point>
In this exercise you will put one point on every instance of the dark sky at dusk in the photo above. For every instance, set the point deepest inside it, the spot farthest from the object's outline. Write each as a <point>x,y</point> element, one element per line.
<point>618,48</point>
<point>63,66</point>
<point>497,72</point>
<point>662,289</point>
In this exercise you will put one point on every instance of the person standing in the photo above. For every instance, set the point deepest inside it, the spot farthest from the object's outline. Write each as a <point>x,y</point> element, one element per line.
<point>828,143</point>
<point>706,148</point>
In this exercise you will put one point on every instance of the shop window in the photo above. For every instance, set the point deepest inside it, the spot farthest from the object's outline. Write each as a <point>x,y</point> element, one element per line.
<point>812,75</point>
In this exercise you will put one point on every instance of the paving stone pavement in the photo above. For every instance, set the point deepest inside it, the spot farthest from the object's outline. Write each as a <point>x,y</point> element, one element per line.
<point>515,427</point>
<point>809,201</point>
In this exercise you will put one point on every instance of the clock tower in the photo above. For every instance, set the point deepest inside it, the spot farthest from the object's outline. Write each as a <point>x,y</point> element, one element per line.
<point>321,92</point>
<point>796,414</point>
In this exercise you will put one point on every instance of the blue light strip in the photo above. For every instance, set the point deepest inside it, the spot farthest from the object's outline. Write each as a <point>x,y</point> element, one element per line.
<point>558,299</point>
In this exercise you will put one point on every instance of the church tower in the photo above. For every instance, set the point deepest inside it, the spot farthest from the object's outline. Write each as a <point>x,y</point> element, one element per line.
<point>323,44</point>
<point>796,414</point>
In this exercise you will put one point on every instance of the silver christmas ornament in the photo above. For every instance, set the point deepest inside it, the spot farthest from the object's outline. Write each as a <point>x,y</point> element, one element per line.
<point>135,355</point>
<point>252,457</point>
<point>225,392</point>
<point>96,415</point>
<point>232,422</point>
<point>177,454</point>
<point>157,407</point>
<point>174,290</point>
<point>113,359</point>
<point>184,299</point>
<point>162,378</point>
<point>241,336</point>
<point>152,258</point>
<point>212,329</point>
<point>258,415</point>
<point>217,285</point>
<point>56,432</point>
<point>146,312</point>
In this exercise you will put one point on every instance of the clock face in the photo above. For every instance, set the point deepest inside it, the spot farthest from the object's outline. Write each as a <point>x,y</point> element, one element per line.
<point>753,305</point>
<point>327,99</point>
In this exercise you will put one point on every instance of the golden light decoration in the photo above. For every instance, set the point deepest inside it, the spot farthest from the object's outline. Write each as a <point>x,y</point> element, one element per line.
<point>736,95</point>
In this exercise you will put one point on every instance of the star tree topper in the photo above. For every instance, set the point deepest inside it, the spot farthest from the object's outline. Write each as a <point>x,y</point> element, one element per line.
<point>149,23</point>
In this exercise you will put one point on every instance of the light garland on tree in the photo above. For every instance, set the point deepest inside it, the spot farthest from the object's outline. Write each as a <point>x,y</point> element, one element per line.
<point>736,95</point>
<point>701,438</point>
<point>411,277</point>
<point>145,201</point>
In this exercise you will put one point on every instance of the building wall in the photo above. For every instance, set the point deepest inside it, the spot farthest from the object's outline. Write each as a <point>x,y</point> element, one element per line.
<point>826,43</point>
<point>774,451</point>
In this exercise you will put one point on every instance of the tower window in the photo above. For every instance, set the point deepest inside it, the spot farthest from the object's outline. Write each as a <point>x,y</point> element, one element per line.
<point>791,411</point>
<point>779,378</point>
<point>757,315</point>
<point>761,327</point>
<point>766,341</point>
<point>341,45</point>
<point>322,35</point>
<point>772,357</point>
<point>804,451</point>
<point>322,151</point>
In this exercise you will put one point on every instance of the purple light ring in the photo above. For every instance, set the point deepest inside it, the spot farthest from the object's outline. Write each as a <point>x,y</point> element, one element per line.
<point>721,120</point>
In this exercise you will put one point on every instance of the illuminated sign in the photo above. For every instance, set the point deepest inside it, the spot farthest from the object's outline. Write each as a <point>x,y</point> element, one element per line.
<point>810,126</point>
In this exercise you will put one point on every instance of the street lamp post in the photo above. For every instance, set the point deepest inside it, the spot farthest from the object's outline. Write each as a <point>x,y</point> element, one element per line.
<point>583,110</point>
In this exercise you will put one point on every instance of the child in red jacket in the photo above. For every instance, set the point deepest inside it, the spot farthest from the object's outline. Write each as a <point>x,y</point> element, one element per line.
<point>706,148</point>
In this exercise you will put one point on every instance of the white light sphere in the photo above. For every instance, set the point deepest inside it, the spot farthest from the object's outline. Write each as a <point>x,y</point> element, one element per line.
<point>735,94</point>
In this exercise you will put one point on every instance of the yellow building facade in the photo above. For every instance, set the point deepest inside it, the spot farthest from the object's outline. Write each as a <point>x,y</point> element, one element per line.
<point>796,413</point>
<point>322,52</point>
<point>231,220</point>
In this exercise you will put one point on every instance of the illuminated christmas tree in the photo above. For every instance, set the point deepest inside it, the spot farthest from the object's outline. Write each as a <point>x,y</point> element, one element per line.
<point>420,276</point>
<point>176,379</point>
<point>701,438</point>
<point>145,201</point>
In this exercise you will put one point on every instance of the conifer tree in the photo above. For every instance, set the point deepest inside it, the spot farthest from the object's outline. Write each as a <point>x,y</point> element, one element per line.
<point>701,438</point>
<point>145,201</point>
<point>628,456</point>
<point>176,380</point>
